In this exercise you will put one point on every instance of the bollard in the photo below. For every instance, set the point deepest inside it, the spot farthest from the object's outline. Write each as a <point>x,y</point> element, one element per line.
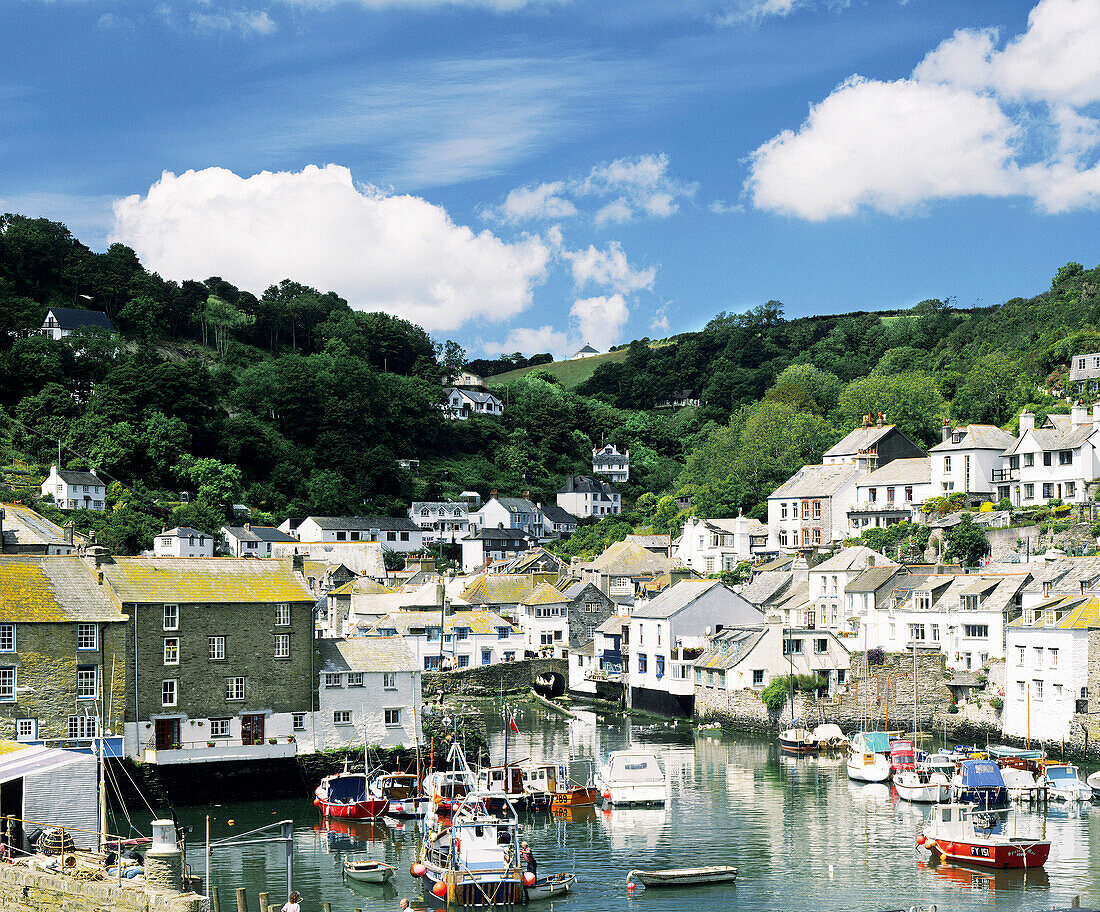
<point>328,907</point>
<point>263,902</point>
<point>242,900</point>
<point>217,901</point>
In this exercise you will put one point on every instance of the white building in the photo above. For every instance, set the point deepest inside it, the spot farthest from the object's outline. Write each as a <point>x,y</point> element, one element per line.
<point>392,533</point>
<point>183,542</point>
<point>609,462</point>
<point>484,546</point>
<point>253,541</point>
<point>1058,459</point>
<point>544,617</point>
<point>968,459</point>
<point>463,403</point>
<point>713,545</point>
<point>440,521</point>
<point>891,494</point>
<point>585,495</point>
<point>75,490</point>
<point>518,513</point>
<point>64,321</point>
<point>1047,668</point>
<point>556,522</point>
<point>368,692</point>
<point>587,352</point>
<point>582,664</point>
<point>810,510</point>
<point>669,632</point>
<point>828,582</point>
<point>457,640</point>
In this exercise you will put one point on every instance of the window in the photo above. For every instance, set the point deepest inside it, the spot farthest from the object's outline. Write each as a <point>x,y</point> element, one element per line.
<point>432,634</point>
<point>341,717</point>
<point>171,650</point>
<point>7,638</point>
<point>1014,461</point>
<point>431,663</point>
<point>1071,489</point>
<point>889,495</point>
<point>817,509</point>
<point>923,601</point>
<point>1020,650</point>
<point>1047,460</point>
<point>502,632</point>
<point>393,716</point>
<point>641,663</point>
<point>841,675</point>
<point>462,633</point>
<point>389,680</point>
<point>969,602</point>
<point>26,729</point>
<point>935,633</point>
<point>464,661</point>
<point>298,721</point>
<point>821,645</point>
<point>1065,457</point>
<point>171,617</point>
<point>355,679</point>
<point>282,615</point>
<point>234,688</point>
<point>82,727</point>
<point>758,677</point>
<point>282,645</point>
<point>168,692</point>
<point>792,647</point>
<point>219,728</point>
<point>1057,691</point>
<point>660,663</point>
<point>87,636</point>
<point>916,631</point>
<point>7,683</point>
<point>216,648</point>
<point>1048,490</point>
<point>783,510</point>
<point>1037,690</point>
<point>332,679</point>
<point>976,631</point>
<point>1053,657</point>
<point>1029,492</point>
<point>486,656</point>
<point>1038,656</point>
<point>341,536</point>
<point>817,537</point>
<point>87,679</point>
<point>946,464</point>
<point>391,536</point>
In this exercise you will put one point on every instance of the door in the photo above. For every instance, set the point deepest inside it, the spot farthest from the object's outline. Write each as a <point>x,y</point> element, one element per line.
<point>252,729</point>
<point>167,733</point>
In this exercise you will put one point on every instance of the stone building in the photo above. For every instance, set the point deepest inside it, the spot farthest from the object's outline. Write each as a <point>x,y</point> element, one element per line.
<point>221,662</point>
<point>62,652</point>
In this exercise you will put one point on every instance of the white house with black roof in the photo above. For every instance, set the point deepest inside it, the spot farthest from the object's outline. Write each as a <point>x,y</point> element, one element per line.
<point>484,546</point>
<point>64,321</point>
<point>586,495</point>
<point>253,541</point>
<point>394,533</point>
<point>669,632</point>
<point>75,490</point>
<point>463,403</point>
<point>872,446</point>
<point>968,459</point>
<point>556,522</point>
<point>441,521</point>
<point>520,513</point>
<point>183,541</point>
<point>892,493</point>
<point>1059,458</point>
<point>609,462</point>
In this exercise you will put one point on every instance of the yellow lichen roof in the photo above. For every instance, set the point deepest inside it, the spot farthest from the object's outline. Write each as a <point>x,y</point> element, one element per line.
<point>1080,613</point>
<point>499,589</point>
<point>203,580</point>
<point>360,586</point>
<point>546,594</point>
<point>1084,617</point>
<point>52,590</point>
<point>475,621</point>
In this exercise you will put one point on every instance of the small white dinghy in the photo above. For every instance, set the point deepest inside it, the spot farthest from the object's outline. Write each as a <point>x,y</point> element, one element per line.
<point>554,885</point>
<point>368,871</point>
<point>683,877</point>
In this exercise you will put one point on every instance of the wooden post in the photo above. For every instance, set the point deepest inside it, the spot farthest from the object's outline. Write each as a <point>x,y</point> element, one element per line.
<point>217,900</point>
<point>242,900</point>
<point>328,907</point>
<point>263,902</point>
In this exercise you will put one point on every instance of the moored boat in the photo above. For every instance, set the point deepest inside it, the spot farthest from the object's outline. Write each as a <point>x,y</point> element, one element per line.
<point>867,757</point>
<point>403,793</point>
<point>925,784</point>
<point>1022,771</point>
<point>829,736</point>
<point>632,777</point>
<point>554,885</point>
<point>954,832</point>
<point>683,877</point>
<point>980,783</point>
<point>1093,782</point>
<point>368,871</point>
<point>903,756</point>
<point>797,739</point>
<point>345,795</point>
<point>1064,784</point>
<point>575,797</point>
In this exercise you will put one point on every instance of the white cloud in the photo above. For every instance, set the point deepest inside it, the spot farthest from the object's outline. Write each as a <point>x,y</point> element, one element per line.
<point>754,11</point>
<point>241,22</point>
<point>659,323</point>
<point>532,341</point>
<point>609,268</point>
<point>972,120</point>
<point>542,202</point>
<point>600,320</point>
<point>400,254</point>
<point>617,212</point>
<point>721,207</point>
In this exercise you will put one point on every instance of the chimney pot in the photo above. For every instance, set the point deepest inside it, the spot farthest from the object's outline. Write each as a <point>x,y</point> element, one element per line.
<point>1027,421</point>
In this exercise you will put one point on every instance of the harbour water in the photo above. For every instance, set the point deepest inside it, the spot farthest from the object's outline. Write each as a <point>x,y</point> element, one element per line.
<point>802,836</point>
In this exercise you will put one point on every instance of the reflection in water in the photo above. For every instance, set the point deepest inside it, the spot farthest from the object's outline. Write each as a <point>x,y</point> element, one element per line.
<point>802,835</point>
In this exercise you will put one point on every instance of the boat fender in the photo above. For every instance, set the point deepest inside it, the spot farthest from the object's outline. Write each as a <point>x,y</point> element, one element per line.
<point>316,802</point>
<point>458,845</point>
<point>529,879</point>
<point>440,889</point>
<point>418,869</point>
<point>921,839</point>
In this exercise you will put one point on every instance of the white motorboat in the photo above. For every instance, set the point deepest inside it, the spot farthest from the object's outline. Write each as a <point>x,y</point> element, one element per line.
<point>1064,784</point>
<point>368,871</point>
<point>923,785</point>
<point>403,792</point>
<point>632,777</point>
<point>1093,782</point>
<point>868,757</point>
<point>683,877</point>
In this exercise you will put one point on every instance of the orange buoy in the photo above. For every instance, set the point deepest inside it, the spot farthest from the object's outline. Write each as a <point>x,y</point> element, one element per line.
<point>418,869</point>
<point>529,879</point>
<point>921,840</point>
<point>232,821</point>
<point>440,889</point>
<point>607,796</point>
<point>630,887</point>
<point>316,802</point>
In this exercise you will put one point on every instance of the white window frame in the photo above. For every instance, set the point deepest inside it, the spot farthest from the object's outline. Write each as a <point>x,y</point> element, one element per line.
<point>83,692</point>
<point>26,729</point>
<point>219,728</point>
<point>171,650</point>
<point>82,727</point>
<point>333,679</point>
<point>8,684</point>
<point>234,689</point>
<point>171,617</point>
<point>392,716</point>
<point>298,722</point>
<point>355,679</point>
<point>389,680</point>
<point>169,692</point>
<point>341,717</point>
<point>215,648</point>
<point>282,645</point>
<point>282,614</point>
<point>7,638</point>
<point>82,638</point>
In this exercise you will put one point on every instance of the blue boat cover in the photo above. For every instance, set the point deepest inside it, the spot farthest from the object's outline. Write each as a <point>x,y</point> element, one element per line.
<point>1061,774</point>
<point>878,742</point>
<point>348,788</point>
<point>980,774</point>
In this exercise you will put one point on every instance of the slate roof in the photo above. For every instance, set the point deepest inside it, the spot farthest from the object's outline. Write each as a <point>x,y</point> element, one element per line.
<point>80,478</point>
<point>588,649</point>
<point>537,560</point>
<point>853,558</point>
<point>545,594</point>
<point>651,541</point>
<point>1082,613</point>
<point>587,484</point>
<point>914,471</point>
<point>1065,575</point>
<point>729,646</point>
<point>859,440</point>
<point>818,481</point>
<point>977,437</point>
<point>486,534</point>
<point>366,523</point>
<point>361,586</point>
<point>476,621</point>
<point>628,559</point>
<point>36,589</point>
<point>203,580</point>
<point>676,598</point>
<point>25,527</point>
<point>499,588</point>
<point>370,654</point>
<point>184,532</point>
<point>1061,438</point>
<point>587,350</point>
<point>615,624</point>
<point>474,395</point>
<point>517,504</point>
<point>872,579</point>
<point>258,534</point>
<point>783,562</point>
<point>766,586</point>
<point>558,515</point>
<point>71,318</point>
<point>998,592</point>
<point>728,526</point>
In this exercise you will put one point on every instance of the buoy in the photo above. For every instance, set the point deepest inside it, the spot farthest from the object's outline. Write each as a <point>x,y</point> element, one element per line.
<point>418,869</point>
<point>630,886</point>
<point>440,889</point>
<point>316,802</point>
<point>529,879</point>
<point>607,796</point>
<point>921,840</point>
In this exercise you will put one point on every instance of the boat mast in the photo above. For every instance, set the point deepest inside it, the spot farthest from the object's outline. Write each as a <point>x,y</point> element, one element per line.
<point>790,673</point>
<point>914,694</point>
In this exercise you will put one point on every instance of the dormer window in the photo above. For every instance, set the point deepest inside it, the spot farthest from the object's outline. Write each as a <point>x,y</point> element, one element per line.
<point>956,437</point>
<point>1046,588</point>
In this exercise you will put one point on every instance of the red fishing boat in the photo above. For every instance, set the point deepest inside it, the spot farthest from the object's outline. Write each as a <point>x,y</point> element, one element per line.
<point>960,833</point>
<point>345,795</point>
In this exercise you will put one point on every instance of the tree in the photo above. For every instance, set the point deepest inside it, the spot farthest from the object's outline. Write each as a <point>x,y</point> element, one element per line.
<point>215,483</point>
<point>911,401</point>
<point>965,542</point>
<point>807,388</point>
<point>225,320</point>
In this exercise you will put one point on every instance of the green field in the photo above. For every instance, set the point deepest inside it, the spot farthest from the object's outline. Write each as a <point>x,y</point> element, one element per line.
<point>570,374</point>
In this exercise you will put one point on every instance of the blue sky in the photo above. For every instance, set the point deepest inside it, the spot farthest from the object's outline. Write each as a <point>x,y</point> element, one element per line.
<point>535,174</point>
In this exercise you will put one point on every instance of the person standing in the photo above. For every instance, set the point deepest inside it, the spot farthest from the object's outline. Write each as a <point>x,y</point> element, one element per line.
<point>404,904</point>
<point>529,859</point>
<point>293,903</point>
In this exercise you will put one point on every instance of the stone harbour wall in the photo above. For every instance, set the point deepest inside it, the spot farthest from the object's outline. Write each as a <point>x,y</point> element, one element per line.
<point>487,680</point>
<point>23,890</point>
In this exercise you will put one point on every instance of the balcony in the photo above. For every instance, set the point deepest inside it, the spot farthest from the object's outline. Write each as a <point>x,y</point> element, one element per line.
<point>223,750</point>
<point>1003,476</point>
<point>882,506</point>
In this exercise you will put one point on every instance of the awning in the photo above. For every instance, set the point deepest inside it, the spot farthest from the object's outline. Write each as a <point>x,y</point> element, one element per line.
<point>18,760</point>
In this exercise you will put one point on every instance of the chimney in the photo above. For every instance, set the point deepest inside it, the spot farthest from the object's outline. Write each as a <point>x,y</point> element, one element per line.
<point>68,532</point>
<point>1078,415</point>
<point>945,432</point>
<point>92,470</point>
<point>298,562</point>
<point>248,527</point>
<point>1027,421</point>
<point>880,417</point>
<point>448,608</point>
<point>526,495</point>
<point>492,493</point>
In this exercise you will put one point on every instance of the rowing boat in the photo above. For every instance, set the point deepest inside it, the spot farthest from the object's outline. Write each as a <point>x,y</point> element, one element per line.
<point>368,871</point>
<point>683,877</point>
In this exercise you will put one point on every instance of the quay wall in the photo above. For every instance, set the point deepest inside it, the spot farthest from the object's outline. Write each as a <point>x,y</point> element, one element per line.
<point>23,890</point>
<point>487,680</point>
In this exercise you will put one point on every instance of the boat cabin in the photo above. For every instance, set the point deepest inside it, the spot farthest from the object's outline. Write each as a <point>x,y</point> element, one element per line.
<point>980,782</point>
<point>542,777</point>
<point>902,756</point>
<point>958,822</point>
<point>492,779</point>
<point>634,768</point>
<point>396,786</point>
<point>444,784</point>
<point>346,788</point>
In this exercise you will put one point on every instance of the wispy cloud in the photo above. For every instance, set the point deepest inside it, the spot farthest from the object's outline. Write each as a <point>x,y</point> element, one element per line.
<point>242,22</point>
<point>755,11</point>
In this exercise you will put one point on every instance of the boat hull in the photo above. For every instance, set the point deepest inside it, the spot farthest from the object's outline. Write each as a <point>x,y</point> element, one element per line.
<point>994,854</point>
<point>796,746</point>
<point>926,793</point>
<point>635,794</point>
<point>577,797</point>
<point>479,892</point>
<point>863,769</point>
<point>549,887</point>
<point>369,809</point>
<point>373,873</point>
<point>684,877</point>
